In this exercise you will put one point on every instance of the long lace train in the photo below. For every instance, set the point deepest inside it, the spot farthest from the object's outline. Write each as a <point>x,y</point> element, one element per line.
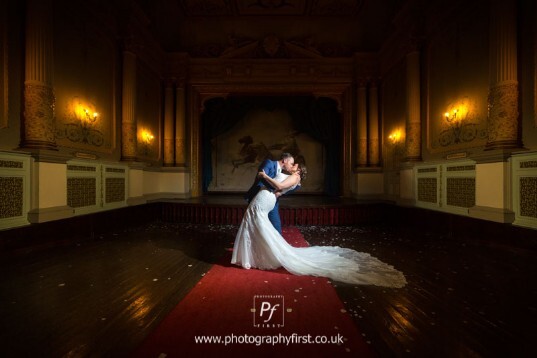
<point>259,245</point>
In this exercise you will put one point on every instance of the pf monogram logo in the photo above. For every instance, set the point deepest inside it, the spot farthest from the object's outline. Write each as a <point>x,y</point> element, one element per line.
<point>268,311</point>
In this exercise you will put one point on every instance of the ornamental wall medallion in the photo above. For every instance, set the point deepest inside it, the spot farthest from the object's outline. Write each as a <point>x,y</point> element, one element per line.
<point>459,125</point>
<point>81,123</point>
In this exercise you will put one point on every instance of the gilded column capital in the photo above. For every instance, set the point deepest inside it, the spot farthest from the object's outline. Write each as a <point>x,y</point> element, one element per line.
<point>128,120</point>
<point>503,116</point>
<point>413,119</point>
<point>38,117</point>
<point>39,100</point>
<point>502,122</point>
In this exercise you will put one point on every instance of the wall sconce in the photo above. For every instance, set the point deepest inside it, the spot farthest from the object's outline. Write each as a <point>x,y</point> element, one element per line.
<point>89,118</point>
<point>82,118</point>
<point>459,131</point>
<point>458,125</point>
<point>146,139</point>
<point>395,149</point>
<point>455,124</point>
<point>395,137</point>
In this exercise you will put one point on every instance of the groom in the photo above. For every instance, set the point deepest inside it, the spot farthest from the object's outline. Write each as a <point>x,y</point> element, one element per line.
<point>272,168</point>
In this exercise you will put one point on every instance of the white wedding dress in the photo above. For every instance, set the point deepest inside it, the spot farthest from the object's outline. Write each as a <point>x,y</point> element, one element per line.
<point>259,245</point>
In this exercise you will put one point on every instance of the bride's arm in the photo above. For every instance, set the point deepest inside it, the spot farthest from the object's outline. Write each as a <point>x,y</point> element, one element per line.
<point>287,183</point>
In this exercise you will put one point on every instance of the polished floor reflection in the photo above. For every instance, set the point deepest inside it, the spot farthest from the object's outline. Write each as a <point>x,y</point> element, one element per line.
<point>100,297</point>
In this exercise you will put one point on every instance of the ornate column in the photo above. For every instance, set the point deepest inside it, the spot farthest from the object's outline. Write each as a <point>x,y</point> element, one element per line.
<point>128,120</point>
<point>38,114</point>
<point>413,117</point>
<point>361,136</point>
<point>180,127</point>
<point>373,145</point>
<point>169,158</point>
<point>503,93</point>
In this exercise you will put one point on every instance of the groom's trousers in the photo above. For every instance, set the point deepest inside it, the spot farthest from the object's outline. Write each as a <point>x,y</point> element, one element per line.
<point>274,217</point>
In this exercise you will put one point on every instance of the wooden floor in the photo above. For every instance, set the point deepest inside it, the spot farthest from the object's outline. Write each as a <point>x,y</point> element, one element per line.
<point>466,297</point>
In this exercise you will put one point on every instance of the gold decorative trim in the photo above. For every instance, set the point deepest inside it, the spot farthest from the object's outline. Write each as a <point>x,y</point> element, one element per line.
<point>11,164</point>
<point>115,170</point>
<point>528,164</point>
<point>460,168</point>
<point>427,170</point>
<point>503,116</point>
<point>81,168</point>
<point>38,117</point>
<point>413,141</point>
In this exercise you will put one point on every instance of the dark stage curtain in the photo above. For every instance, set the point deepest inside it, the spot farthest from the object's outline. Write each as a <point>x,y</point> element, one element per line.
<point>321,121</point>
<point>220,116</point>
<point>318,118</point>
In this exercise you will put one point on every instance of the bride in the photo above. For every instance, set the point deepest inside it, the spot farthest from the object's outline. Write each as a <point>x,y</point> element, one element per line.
<point>259,245</point>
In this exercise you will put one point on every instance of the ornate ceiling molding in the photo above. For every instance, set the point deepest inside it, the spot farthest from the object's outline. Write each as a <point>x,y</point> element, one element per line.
<point>271,7</point>
<point>271,46</point>
<point>271,71</point>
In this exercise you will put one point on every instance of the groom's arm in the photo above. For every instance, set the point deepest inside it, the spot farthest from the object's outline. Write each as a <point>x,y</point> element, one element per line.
<point>279,193</point>
<point>292,190</point>
<point>268,167</point>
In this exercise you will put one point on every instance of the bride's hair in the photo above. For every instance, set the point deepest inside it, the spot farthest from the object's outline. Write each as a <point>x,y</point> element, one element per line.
<point>303,171</point>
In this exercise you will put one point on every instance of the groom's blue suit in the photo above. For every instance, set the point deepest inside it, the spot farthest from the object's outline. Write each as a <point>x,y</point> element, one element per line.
<point>271,168</point>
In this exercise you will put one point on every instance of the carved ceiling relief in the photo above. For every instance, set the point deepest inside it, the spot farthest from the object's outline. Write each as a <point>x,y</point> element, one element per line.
<point>271,46</point>
<point>271,7</point>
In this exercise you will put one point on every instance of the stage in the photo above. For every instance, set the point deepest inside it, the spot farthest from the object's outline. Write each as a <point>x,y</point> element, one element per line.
<point>294,210</point>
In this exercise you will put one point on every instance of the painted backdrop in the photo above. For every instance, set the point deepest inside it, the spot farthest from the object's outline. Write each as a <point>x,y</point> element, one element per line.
<point>262,134</point>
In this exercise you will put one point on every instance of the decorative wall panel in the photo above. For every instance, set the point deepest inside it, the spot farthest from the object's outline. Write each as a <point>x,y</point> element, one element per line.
<point>93,187</point>
<point>14,189</point>
<point>11,197</point>
<point>524,178</point>
<point>11,164</point>
<point>427,190</point>
<point>460,192</point>
<point>459,187</point>
<point>115,190</point>
<point>427,186</point>
<point>528,197</point>
<point>81,192</point>
<point>446,187</point>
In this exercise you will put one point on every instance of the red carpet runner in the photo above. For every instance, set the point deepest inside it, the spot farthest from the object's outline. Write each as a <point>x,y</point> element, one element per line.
<point>228,301</point>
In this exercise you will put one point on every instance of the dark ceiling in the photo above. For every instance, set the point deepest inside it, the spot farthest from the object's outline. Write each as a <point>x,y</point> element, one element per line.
<point>337,28</point>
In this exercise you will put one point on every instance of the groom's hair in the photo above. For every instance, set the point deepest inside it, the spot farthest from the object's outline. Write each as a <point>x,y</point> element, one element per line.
<point>285,156</point>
